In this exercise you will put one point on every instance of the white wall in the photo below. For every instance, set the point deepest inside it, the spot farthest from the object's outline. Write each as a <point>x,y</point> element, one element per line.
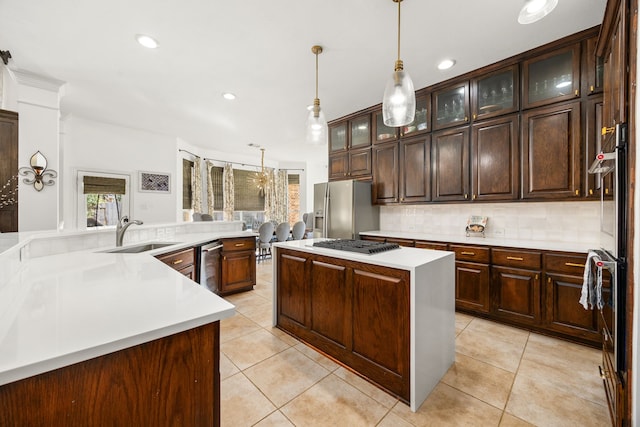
<point>96,146</point>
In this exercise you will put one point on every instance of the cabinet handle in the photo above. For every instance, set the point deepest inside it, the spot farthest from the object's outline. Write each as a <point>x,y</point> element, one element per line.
<point>475,116</point>
<point>239,245</point>
<point>604,374</point>
<point>591,88</point>
<point>466,118</point>
<point>474,197</point>
<point>536,277</point>
<point>576,92</point>
<point>515,258</point>
<point>468,253</point>
<point>178,261</point>
<point>606,191</point>
<point>591,192</point>
<point>549,280</point>
<point>577,192</point>
<point>466,196</point>
<point>606,130</point>
<point>573,264</point>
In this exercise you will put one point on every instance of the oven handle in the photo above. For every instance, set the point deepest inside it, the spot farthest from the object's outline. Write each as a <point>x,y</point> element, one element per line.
<point>215,248</point>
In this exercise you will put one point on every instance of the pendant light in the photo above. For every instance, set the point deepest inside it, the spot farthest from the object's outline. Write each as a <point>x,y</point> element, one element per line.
<point>316,123</point>
<point>535,10</point>
<point>399,100</point>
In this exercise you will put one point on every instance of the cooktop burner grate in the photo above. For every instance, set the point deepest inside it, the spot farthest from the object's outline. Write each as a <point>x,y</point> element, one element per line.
<point>361,246</point>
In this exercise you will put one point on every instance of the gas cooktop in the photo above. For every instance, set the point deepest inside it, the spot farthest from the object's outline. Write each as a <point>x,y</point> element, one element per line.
<point>362,246</point>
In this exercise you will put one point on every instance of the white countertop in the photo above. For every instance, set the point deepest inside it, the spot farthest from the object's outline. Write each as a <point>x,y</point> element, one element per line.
<point>402,258</point>
<point>65,308</point>
<point>489,241</point>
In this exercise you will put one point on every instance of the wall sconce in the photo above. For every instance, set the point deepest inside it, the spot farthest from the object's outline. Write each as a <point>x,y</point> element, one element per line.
<point>38,174</point>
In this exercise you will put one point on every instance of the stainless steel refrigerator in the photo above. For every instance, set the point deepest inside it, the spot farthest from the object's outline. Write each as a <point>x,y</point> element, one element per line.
<point>343,209</point>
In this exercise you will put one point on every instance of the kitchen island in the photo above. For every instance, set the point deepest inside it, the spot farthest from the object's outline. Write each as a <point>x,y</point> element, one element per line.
<point>89,337</point>
<point>388,316</point>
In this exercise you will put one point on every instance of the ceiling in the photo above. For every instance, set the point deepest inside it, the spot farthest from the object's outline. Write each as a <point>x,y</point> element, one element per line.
<point>261,51</point>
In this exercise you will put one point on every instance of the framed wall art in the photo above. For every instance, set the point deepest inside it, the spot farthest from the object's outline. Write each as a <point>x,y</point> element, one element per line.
<point>154,182</point>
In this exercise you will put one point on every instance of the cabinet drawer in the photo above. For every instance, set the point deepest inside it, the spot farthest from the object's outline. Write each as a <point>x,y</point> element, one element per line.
<point>439,246</point>
<point>401,242</point>
<point>179,259</point>
<point>244,244</point>
<point>471,253</point>
<point>568,263</point>
<point>516,258</point>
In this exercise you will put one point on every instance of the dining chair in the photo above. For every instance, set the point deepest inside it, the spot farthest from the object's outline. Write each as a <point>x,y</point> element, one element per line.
<point>197,216</point>
<point>298,230</point>
<point>206,217</point>
<point>265,234</point>
<point>282,231</point>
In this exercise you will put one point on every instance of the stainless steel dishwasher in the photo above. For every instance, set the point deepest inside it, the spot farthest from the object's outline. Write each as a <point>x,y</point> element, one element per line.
<point>210,267</point>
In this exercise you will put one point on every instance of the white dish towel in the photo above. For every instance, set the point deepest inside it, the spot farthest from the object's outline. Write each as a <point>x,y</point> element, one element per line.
<point>591,296</point>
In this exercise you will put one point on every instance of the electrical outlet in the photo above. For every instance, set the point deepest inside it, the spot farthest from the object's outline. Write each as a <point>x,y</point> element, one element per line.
<point>499,232</point>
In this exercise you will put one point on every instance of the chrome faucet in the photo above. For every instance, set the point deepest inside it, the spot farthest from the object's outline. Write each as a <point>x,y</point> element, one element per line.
<point>123,224</point>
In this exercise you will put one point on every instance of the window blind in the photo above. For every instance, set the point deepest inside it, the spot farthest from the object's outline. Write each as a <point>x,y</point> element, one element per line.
<point>103,185</point>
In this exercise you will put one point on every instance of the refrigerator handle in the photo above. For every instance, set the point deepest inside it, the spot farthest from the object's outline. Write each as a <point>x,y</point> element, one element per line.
<point>325,219</point>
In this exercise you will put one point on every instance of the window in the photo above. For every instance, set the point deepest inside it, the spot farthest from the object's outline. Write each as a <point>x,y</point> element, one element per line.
<point>187,190</point>
<point>103,198</point>
<point>246,194</point>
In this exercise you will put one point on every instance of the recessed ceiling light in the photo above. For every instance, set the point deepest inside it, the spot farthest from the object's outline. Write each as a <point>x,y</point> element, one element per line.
<point>147,41</point>
<point>446,64</point>
<point>534,10</point>
<point>229,96</point>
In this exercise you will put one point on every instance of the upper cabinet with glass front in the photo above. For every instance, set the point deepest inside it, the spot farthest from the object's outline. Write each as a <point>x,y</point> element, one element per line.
<point>495,94</point>
<point>360,131</point>
<point>420,123</point>
<point>451,106</point>
<point>552,77</point>
<point>594,66</point>
<point>338,137</point>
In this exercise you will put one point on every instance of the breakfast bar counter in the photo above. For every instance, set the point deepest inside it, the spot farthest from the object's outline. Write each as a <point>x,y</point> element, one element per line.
<point>388,316</point>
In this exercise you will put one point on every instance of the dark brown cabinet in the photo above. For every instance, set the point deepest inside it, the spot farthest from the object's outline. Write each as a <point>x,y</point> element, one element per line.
<point>563,282</point>
<point>356,313</point>
<point>472,277</point>
<point>451,106</point>
<point>515,285</point>
<point>420,124</point>
<point>495,93</point>
<point>238,265</point>
<point>551,152</point>
<point>350,148</point>
<point>184,261</point>
<point>415,169</point>
<point>551,77</point>
<point>494,152</point>
<point>8,171</point>
<point>450,164</point>
<point>385,173</point>
<point>593,76</point>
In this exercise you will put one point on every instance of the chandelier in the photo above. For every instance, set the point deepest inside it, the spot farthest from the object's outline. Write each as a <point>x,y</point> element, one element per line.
<point>261,179</point>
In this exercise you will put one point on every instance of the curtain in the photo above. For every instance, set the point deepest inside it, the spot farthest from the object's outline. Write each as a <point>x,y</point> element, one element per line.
<point>210,197</point>
<point>228,192</point>
<point>282,196</point>
<point>270,197</point>
<point>196,184</point>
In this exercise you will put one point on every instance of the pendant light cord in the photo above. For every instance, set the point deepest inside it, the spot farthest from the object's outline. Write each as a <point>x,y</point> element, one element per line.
<point>399,1</point>
<point>317,74</point>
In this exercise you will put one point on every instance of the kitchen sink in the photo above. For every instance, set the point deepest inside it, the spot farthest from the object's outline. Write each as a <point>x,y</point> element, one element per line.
<point>144,247</point>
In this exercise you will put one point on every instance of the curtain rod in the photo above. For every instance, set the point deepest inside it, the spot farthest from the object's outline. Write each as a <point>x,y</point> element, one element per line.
<point>185,151</point>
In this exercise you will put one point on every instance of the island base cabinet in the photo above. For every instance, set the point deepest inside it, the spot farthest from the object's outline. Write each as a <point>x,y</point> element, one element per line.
<point>170,381</point>
<point>356,313</point>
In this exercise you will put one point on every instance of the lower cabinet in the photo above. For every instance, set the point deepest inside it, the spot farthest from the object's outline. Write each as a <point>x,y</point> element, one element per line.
<point>515,285</point>
<point>238,260</point>
<point>472,277</point>
<point>356,313</point>
<point>182,261</point>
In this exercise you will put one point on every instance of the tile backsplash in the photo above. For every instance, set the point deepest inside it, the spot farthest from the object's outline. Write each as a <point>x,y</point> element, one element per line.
<point>551,221</point>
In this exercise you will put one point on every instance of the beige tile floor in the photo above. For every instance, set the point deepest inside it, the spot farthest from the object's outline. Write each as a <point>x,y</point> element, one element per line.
<point>502,376</point>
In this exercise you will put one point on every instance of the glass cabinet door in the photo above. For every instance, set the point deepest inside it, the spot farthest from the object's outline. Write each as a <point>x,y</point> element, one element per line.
<point>452,106</point>
<point>595,68</point>
<point>496,93</point>
<point>338,137</point>
<point>361,131</point>
<point>553,77</point>
<point>421,122</point>
<point>383,132</point>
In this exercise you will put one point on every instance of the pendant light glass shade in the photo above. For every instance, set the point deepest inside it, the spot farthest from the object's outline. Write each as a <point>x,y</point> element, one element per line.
<point>317,130</point>
<point>534,10</point>
<point>399,100</point>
